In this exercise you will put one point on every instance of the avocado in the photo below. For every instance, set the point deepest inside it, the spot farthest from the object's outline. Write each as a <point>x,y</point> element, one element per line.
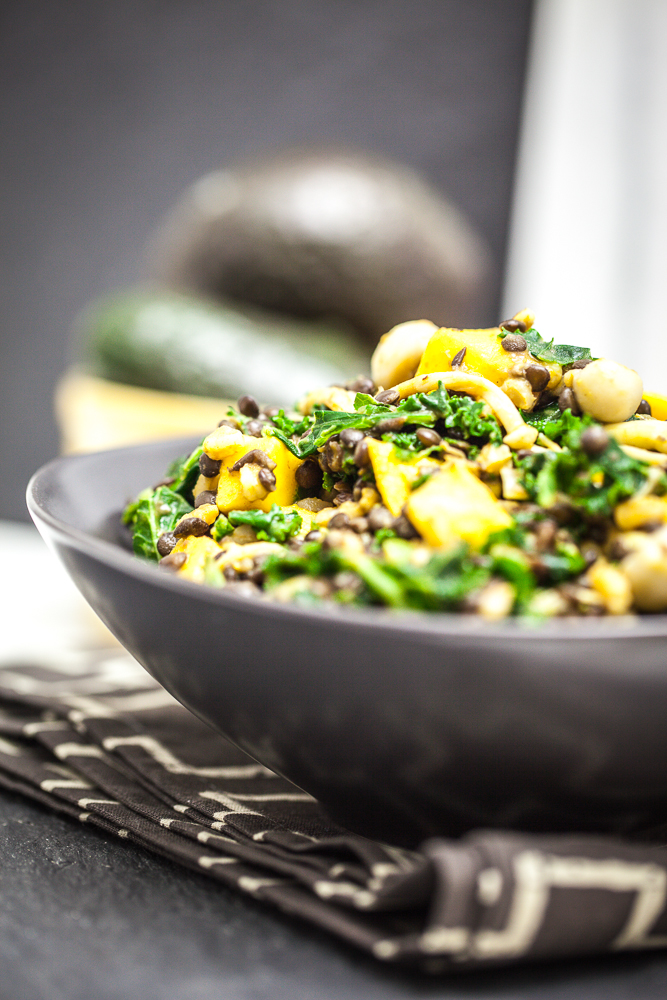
<point>167,341</point>
<point>327,234</point>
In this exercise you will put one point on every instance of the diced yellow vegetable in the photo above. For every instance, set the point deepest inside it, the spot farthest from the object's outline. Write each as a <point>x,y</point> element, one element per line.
<point>658,403</point>
<point>207,512</point>
<point>222,441</point>
<point>197,550</point>
<point>454,505</point>
<point>612,585</point>
<point>332,396</point>
<point>230,494</point>
<point>646,569</point>
<point>637,511</point>
<point>394,478</point>
<point>306,519</point>
<point>513,488</point>
<point>484,355</point>
<point>322,517</point>
<point>204,483</point>
<point>526,316</point>
<point>493,457</point>
<point>368,499</point>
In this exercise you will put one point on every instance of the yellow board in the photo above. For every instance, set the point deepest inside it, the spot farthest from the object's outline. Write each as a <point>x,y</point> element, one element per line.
<point>94,413</point>
<point>453,505</point>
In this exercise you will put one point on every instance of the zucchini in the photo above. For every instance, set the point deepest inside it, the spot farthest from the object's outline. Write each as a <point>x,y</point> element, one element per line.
<point>181,344</point>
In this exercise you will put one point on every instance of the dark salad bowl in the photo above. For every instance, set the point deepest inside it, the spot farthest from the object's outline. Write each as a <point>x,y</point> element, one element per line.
<point>402,725</point>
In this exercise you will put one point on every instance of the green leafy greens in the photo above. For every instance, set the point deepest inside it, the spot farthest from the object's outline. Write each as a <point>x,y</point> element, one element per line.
<point>185,472</point>
<point>564,354</point>
<point>464,417</point>
<point>558,424</point>
<point>592,484</point>
<point>442,584</point>
<point>275,525</point>
<point>150,515</point>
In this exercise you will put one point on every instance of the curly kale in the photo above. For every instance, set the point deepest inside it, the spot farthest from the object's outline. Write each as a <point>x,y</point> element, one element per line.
<point>150,515</point>
<point>389,578</point>
<point>275,525</point>
<point>546,350</point>
<point>594,484</point>
<point>464,419</point>
<point>184,472</point>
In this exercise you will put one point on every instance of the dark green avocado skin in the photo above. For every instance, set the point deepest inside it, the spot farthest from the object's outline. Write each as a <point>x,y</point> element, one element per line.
<point>327,234</point>
<point>176,343</point>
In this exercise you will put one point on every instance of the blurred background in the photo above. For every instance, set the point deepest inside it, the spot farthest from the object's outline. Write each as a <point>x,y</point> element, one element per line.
<point>110,111</point>
<point>214,197</point>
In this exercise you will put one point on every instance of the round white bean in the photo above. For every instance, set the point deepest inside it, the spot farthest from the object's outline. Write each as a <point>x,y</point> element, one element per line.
<point>607,391</point>
<point>397,356</point>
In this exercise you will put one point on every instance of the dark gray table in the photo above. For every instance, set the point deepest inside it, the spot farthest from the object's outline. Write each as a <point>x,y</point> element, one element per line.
<point>85,917</point>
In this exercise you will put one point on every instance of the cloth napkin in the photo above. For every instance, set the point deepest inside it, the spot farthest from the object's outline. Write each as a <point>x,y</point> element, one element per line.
<point>91,735</point>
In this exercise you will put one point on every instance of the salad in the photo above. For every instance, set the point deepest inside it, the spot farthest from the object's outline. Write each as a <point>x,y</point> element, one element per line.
<point>488,472</point>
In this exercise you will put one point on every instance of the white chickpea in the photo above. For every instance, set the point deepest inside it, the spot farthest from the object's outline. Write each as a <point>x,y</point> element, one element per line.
<point>397,356</point>
<point>607,391</point>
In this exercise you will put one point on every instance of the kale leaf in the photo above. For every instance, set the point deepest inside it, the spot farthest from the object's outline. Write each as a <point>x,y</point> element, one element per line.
<point>513,565</point>
<point>463,416</point>
<point>592,484</point>
<point>564,354</point>
<point>558,424</point>
<point>288,426</point>
<point>309,560</point>
<point>466,415</point>
<point>562,564</point>
<point>565,562</point>
<point>275,525</point>
<point>221,528</point>
<point>324,424</point>
<point>150,515</point>
<point>185,472</point>
<point>389,578</point>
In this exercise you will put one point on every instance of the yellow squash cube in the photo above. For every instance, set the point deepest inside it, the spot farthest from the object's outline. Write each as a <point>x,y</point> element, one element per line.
<point>658,403</point>
<point>230,495</point>
<point>197,549</point>
<point>484,355</point>
<point>452,506</point>
<point>394,478</point>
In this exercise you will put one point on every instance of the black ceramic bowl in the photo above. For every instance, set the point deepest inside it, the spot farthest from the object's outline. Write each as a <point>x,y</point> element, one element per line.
<point>403,726</point>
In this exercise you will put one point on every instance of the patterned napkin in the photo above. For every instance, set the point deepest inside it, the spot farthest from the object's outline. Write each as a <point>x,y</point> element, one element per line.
<point>93,736</point>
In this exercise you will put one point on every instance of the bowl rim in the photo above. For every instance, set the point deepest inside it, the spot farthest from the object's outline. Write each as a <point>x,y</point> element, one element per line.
<point>433,624</point>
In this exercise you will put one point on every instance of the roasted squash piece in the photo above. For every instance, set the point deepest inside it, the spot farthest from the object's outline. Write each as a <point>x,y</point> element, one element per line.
<point>452,506</point>
<point>485,355</point>
<point>197,551</point>
<point>231,494</point>
<point>658,403</point>
<point>393,478</point>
